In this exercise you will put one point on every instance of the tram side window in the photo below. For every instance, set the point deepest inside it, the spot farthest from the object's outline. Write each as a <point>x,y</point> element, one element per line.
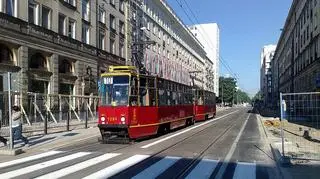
<point>175,98</point>
<point>134,92</point>
<point>152,91</point>
<point>143,93</point>
<point>162,97</point>
<point>169,98</point>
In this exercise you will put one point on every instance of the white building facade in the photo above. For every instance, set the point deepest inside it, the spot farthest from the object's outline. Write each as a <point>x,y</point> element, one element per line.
<point>267,55</point>
<point>209,37</point>
<point>175,54</point>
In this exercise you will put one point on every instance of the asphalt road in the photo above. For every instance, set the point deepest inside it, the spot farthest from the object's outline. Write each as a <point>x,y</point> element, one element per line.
<point>232,145</point>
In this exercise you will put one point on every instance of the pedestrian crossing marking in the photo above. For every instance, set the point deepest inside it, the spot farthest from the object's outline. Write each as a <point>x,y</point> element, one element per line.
<point>27,159</point>
<point>245,170</point>
<point>203,169</point>
<point>156,169</point>
<point>118,167</point>
<point>42,165</point>
<point>77,167</point>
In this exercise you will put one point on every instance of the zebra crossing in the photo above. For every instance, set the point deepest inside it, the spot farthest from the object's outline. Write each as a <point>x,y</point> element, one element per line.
<point>55,164</point>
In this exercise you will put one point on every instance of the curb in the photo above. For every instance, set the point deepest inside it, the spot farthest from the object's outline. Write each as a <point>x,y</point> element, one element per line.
<point>279,160</point>
<point>10,152</point>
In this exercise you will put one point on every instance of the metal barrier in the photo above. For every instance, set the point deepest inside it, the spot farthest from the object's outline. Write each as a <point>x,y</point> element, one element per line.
<point>300,125</point>
<point>43,112</point>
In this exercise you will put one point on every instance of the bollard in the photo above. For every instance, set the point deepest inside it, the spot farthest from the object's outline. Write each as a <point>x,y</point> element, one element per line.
<point>86,118</point>
<point>45,130</point>
<point>68,121</point>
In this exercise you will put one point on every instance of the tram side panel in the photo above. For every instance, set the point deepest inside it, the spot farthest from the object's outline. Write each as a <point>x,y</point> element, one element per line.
<point>175,116</point>
<point>200,111</point>
<point>144,121</point>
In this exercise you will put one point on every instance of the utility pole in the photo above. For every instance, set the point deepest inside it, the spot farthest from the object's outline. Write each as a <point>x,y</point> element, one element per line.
<point>222,94</point>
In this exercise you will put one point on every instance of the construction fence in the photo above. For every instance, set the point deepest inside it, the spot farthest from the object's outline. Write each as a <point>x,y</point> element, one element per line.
<point>46,113</point>
<point>300,124</point>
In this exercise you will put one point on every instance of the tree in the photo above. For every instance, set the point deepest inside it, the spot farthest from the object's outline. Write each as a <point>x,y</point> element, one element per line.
<point>242,97</point>
<point>257,96</point>
<point>227,89</point>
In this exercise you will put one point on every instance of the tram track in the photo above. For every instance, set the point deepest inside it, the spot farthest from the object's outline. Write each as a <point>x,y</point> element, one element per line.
<point>93,145</point>
<point>230,123</point>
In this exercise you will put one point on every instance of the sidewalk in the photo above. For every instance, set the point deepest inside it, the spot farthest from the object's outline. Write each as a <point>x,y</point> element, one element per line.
<point>295,145</point>
<point>55,140</point>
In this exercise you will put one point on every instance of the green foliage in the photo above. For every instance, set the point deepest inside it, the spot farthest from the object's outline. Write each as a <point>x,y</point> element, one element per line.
<point>227,89</point>
<point>242,97</point>
<point>257,96</point>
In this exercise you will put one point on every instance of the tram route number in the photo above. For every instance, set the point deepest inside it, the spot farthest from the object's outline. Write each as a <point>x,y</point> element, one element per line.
<point>108,80</point>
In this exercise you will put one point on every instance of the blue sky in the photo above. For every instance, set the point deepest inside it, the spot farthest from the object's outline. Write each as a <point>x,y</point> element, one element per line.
<point>245,27</point>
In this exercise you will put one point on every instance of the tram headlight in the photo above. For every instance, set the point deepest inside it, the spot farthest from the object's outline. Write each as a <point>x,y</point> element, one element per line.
<point>103,118</point>
<point>122,119</point>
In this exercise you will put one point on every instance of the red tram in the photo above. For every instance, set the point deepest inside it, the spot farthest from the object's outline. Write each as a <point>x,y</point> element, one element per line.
<point>134,106</point>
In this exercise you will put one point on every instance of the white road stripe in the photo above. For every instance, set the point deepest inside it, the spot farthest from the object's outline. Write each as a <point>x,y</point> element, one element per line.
<point>156,169</point>
<point>184,131</point>
<point>77,167</point>
<point>204,169</point>
<point>231,151</point>
<point>42,165</point>
<point>245,170</point>
<point>118,167</point>
<point>27,159</point>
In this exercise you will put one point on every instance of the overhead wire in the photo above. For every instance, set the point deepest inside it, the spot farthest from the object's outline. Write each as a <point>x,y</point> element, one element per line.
<point>210,43</point>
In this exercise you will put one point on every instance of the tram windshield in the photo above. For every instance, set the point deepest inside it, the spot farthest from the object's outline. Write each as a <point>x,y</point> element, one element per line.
<point>114,90</point>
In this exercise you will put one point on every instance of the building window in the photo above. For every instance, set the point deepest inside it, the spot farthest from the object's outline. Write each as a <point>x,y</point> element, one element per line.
<point>85,10</point>
<point>38,61</point>
<point>148,25</point>
<point>102,15</point>
<point>112,22</point>
<point>121,50</point>
<point>9,7</point>
<point>101,44</point>
<point>121,27</point>
<point>159,49</point>
<point>65,66</point>
<point>71,2</point>
<point>85,33</point>
<point>62,24</point>
<point>33,13</point>
<point>154,29</point>
<point>112,46</point>
<point>46,17</point>
<point>121,5</point>
<point>159,34</point>
<point>112,2</point>
<point>72,28</point>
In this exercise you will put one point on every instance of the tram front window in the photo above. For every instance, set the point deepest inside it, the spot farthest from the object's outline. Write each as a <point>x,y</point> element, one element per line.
<point>114,90</point>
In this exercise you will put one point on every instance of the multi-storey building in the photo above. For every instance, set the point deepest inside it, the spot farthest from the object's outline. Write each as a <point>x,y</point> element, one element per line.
<point>209,75</point>
<point>175,53</point>
<point>61,46</point>
<point>267,54</point>
<point>208,35</point>
<point>298,51</point>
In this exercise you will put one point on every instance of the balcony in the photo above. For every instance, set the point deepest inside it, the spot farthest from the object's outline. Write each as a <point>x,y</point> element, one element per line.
<point>113,33</point>
<point>42,35</point>
<point>70,6</point>
<point>111,57</point>
<point>39,74</point>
